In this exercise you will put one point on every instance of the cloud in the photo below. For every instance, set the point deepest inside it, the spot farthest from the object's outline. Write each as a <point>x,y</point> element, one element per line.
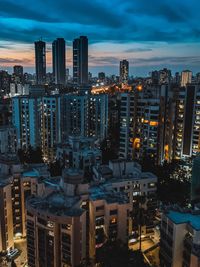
<point>14,60</point>
<point>138,50</point>
<point>114,21</point>
<point>153,61</point>
<point>168,60</point>
<point>103,60</point>
<point>145,32</point>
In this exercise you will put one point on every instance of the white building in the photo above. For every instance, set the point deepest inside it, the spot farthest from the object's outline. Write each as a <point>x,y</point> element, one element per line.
<point>180,238</point>
<point>186,77</point>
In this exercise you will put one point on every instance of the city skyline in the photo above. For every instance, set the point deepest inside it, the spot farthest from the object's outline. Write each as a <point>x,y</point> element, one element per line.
<point>152,37</point>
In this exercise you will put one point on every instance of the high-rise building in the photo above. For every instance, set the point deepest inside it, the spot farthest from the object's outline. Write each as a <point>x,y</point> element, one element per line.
<point>164,76</point>
<point>124,71</point>
<point>59,61</point>
<point>5,114</point>
<point>80,153</point>
<point>67,75</point>
<point>101,76</point>
<point>50,125</point>
<point>40,62</point>
<point>187,122</point>
<point>6,217</point>
<point>25,118</point>
<point>5,79</point>
<point>70,221</point>
<point>177,78</point>
<point>179,242</point>
<point>85,115</point>
<point>127,176</point>
<point>8,142</point>
<point>80,60</point>
<point>186,77</point>
<point>98,116</point>
<point>18,72</point>
<point>126,125</point>
<point>56,231</point>
<point>195,181</point>
<point>146,123</point>
<point>109,218</point>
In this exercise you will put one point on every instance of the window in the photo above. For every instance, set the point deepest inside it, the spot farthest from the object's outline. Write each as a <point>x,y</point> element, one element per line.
<point>113,212</point>
<point>99,208</point>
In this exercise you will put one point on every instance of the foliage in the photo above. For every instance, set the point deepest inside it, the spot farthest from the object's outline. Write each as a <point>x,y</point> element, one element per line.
<point>108,151</point>
<point>117,254</point>
<point>55,168</point>
<point>173,181</point>
<point>30,155</point>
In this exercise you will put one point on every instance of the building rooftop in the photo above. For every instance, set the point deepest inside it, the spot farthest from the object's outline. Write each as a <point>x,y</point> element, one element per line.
<point>184,217</point>
<point>30,173</point>
<point>9,159</point>
<point>104,170</point>
<point>3,183</point>
<point>57,204</point>
<point>105,193</point>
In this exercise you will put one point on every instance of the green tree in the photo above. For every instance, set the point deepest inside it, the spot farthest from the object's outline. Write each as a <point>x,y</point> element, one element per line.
<point>30,155</point>
<point>117,254</point>
<point>55,168</point>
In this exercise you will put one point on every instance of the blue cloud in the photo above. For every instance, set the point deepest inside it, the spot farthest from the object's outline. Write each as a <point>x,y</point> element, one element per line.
<point>116,20</point>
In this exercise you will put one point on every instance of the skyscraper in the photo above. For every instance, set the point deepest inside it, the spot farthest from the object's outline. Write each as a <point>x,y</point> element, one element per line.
<point>80,60</point>
<point>18,71</point>
<point>25,118</point>
<point>186,77</point>
<point>123,71</point>
<point>40,62</point>
<point>187,122</point>
<point>59,58</point>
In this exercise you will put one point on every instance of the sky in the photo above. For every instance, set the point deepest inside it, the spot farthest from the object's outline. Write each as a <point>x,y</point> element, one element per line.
<point>151,34</point>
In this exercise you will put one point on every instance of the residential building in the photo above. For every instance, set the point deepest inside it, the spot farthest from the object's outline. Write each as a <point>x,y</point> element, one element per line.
<point>195,180</point>
<point>6,216</point>
<point>179,242</point>
<point>187,122</point>
<point>186,77</point>
<point>85,115</point>
<point>127,176</point>
<point>124,71</point>
<point>56,228</point>
<point>126,125</point>
<point>80,153</point>
<point>59,61</point>
<point>18,73</point>
<point>8,140</point>
<point>50,126</point>
<point>40,62</point>
<point>26,120</point>
<point>80,60</point>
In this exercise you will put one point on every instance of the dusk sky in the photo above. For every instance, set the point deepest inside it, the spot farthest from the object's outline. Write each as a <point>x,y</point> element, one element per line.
<point>151,34</point>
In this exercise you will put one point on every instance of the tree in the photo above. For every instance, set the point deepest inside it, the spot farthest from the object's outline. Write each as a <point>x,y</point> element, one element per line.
<point>86,262</point>
<point>117,254</point>
<point>108,151</point>
<point>30,155</point>
<point>55,168</point>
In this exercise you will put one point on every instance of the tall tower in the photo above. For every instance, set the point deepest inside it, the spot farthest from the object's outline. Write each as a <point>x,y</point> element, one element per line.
<point>80,60</point>
<point>59,58</point>
<point>186,77</point>
<point>123,71</point>
<point>18,70</point>
<point>40,62</point>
